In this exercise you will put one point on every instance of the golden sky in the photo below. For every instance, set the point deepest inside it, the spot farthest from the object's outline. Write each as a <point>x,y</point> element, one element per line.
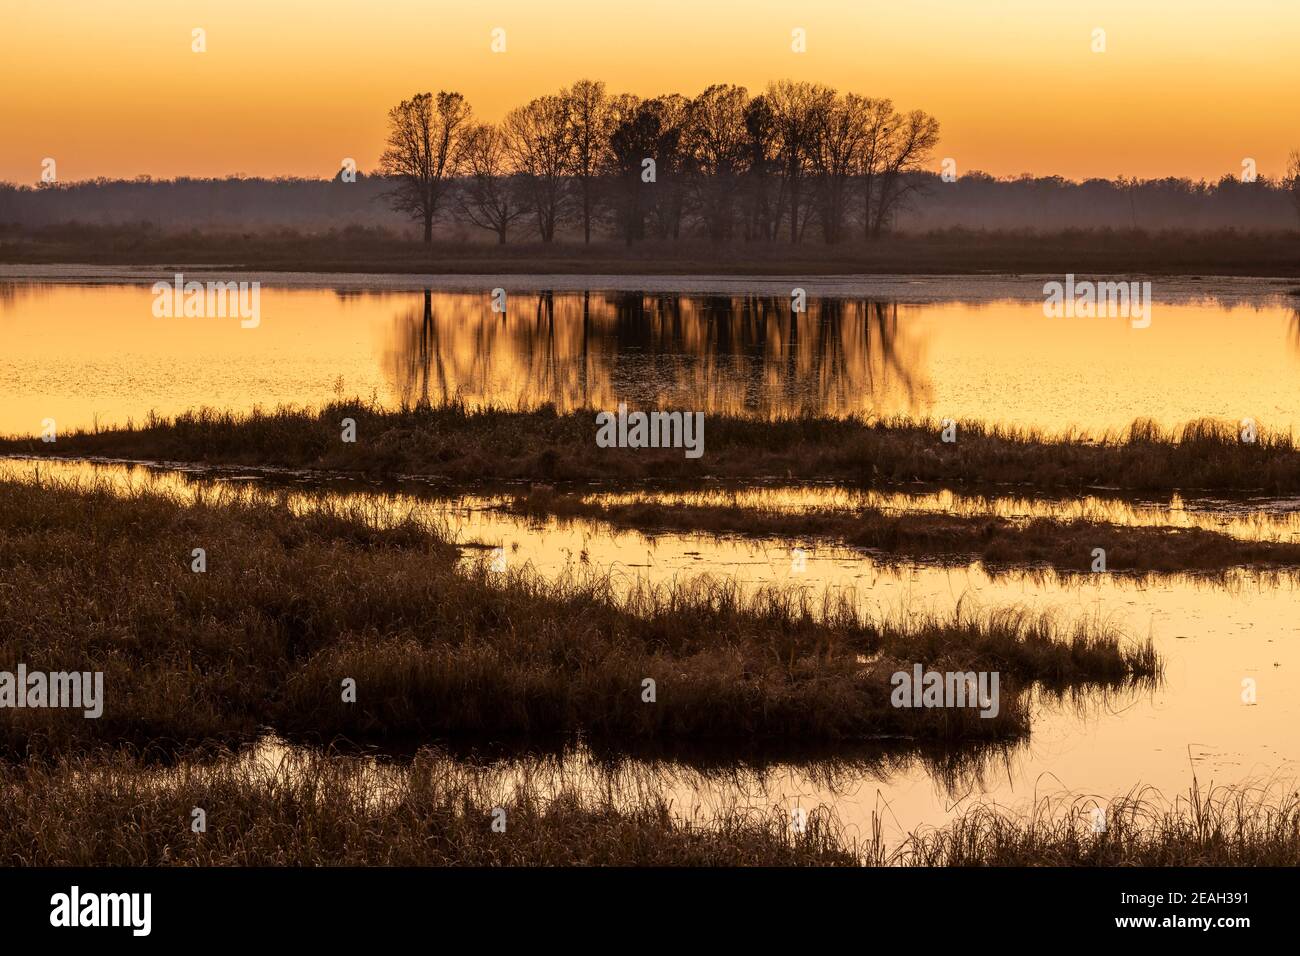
<point>1185,87</point>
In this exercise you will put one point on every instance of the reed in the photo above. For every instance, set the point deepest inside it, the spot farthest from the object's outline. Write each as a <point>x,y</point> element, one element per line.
<point>460,443</point>
<point>316,809</point>
<point>293,604</point>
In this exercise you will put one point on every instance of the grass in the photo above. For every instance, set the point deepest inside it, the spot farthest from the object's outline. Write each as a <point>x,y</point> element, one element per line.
<point>945,252</point>
<point>463,444</point>
<point>92,812</point>
<point>999,543</point>
<point>1226,826</point>
<point>109,809</point>
<point>292,604</point>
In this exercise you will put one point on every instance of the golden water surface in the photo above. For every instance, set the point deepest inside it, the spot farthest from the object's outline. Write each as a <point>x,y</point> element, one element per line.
<point>82,354</point>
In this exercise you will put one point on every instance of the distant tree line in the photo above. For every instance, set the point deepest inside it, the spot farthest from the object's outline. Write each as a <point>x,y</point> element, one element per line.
<point>795,160</point>
<point>681,209</point>
<point>1052,203</point>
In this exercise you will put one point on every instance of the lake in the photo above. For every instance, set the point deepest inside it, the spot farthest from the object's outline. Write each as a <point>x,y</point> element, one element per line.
<point>90,352</point>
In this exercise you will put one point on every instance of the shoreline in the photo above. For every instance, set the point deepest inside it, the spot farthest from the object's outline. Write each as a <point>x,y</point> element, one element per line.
<point>1001,544</point>
<point>911,288</point>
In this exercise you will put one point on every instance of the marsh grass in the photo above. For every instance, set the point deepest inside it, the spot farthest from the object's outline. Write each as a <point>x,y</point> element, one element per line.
<point>291,604</point>
<point>1221,826</point>
<point>952,251</point>
<point>1000,544</point>
<point>313,812</point>
<point>320,809</point>
<point>457,442</point>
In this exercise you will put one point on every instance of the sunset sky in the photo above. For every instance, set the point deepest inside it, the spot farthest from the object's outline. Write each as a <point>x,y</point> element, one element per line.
<point>1186,88</point>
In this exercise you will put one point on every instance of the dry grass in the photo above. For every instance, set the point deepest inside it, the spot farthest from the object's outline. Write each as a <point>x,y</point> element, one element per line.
<point>1226,826</point>
<point>318,812</point>
<point>319,809</point>
<point>291,605</point>
<point>1001,544</point>
<point>942,252</point>
<point>463,444</point>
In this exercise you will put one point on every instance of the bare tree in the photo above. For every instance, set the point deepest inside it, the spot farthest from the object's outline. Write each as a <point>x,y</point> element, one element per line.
<point>589,130</point>
<point>796,108</point>
<point>1292,179</point>
<point>716,143</point>
<point>800,151</point>
<point>634,138</point>
<point>669,200</point>
<point>650,131</point>
<point>424,136</point>
<point>880,122</point>
<point>839,140</point>
<point>537,135</point>
<point>906,150</point>
<point>491,196</point>
<point>760,169</point>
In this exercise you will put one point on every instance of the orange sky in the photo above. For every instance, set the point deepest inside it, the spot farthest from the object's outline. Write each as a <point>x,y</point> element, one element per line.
<point>1187,88</point>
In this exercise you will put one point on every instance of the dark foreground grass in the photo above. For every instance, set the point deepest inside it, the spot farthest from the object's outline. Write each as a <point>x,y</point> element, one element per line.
<point>96,810</point>
<point>84,812</point>
<point>999,543</point>
<point>291,605</point>
<point>1226,826</point>
<point>463,444</point>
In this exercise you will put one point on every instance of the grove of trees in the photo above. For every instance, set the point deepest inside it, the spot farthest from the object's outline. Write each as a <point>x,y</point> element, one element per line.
<point>723,164</point>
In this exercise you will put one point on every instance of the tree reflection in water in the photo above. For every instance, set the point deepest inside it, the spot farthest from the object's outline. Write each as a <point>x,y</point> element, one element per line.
<point>742,355</point>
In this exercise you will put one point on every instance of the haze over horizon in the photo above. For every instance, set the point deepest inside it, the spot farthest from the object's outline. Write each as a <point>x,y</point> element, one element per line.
<point>1181,90</point>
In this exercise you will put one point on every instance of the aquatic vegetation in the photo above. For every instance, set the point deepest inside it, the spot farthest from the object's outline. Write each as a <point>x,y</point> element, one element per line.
<point>999,543</point>
<point>322,809</point>
<point>461,443</point>
<point>286,610</point>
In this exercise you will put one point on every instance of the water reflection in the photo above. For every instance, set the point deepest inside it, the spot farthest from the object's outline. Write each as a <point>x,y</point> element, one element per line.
<point>1211,635</point>
<point>1248,519</point>
<point>938,348</point>
<point>742,354</point>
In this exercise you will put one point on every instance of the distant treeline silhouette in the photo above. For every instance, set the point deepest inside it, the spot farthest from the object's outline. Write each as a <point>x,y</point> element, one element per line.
<point>796,162</point>
<point>724,163</point>
<point>975,201</point>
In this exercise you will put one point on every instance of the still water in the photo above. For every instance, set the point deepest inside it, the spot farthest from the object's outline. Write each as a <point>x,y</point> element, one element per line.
<point>1212,634</point>
<point>92,352</point>
<point>84,353</point>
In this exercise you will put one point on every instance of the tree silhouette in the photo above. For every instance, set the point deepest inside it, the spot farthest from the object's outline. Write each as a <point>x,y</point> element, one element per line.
<point>491,196</point>
<point>588,112</point>
<point>424,137</point>
<point>538,137</point>
<point>797,154</point>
